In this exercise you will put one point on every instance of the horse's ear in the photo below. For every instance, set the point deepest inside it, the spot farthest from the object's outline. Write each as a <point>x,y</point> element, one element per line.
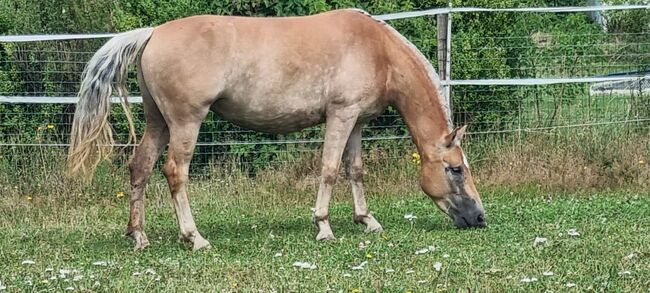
<point>454,138</point>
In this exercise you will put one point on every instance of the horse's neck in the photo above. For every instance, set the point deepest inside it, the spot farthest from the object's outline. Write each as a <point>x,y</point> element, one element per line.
<point>425,120</point>
<point>419,102</point>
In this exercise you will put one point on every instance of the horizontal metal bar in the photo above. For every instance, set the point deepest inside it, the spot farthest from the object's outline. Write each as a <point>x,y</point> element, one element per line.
<point>541,81</point>
<point>390,16</point>
<point>436,11</point>
<point>522,81</point>
<point>57,100</point>
<point>63,37</point>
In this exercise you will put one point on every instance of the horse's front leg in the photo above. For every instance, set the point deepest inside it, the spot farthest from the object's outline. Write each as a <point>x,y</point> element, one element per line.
<point>337,131</point>
<point>181,147</point>
<point>354,172</point>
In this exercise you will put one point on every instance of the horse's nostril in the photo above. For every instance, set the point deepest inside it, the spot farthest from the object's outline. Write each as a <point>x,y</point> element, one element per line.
<point>480,219</point>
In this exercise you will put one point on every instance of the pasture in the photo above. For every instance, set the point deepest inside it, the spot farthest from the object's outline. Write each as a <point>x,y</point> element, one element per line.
<point>562,169</point>
<point>72,238</point>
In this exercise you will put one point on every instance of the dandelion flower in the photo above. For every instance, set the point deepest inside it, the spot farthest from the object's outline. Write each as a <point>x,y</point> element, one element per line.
<point>641,162</point>
<point>355,290</point>
<point>50,126</point>
<point>119,194</point>
<point>369,255</point>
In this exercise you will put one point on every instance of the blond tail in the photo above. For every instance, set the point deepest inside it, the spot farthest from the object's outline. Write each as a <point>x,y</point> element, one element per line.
<point>91,138</point>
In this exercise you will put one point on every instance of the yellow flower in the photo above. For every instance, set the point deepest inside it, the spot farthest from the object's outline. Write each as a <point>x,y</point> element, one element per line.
<point>234,285</point>
<point>641,162</point>
<point>415,158</point>
<point>50,126</point>
<point>29,198</point>
<point>369,255</point>
<point>119,194</point>
<point>356,290</point>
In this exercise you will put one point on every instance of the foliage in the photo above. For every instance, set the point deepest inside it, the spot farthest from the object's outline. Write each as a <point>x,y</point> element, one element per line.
<point>485,45</point>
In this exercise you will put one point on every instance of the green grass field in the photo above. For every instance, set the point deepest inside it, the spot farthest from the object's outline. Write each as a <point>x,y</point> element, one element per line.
<point>257,234</point>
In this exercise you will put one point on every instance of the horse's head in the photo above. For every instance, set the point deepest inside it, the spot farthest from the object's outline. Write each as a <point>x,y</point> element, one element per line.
<point>446,178</point>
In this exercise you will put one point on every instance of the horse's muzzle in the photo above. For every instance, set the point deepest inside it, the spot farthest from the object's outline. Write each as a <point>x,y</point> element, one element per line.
<point>471,218</point>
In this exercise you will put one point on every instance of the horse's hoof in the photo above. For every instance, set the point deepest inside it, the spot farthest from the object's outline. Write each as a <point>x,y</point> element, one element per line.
<point>373,228</point>
<point>325,236</point>
<point>141,246</point>
<point>370,222</point>
<point>200,243</point>
<point>141,241</point>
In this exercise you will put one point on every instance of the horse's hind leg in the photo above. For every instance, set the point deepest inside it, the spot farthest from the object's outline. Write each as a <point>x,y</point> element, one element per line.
<point>153,142</point>
<point>354,172</point>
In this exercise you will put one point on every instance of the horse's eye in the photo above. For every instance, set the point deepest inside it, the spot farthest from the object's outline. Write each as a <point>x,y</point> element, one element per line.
<point>455,170</point>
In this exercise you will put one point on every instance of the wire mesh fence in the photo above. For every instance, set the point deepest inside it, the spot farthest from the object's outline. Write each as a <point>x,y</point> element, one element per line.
<point>41,79</point>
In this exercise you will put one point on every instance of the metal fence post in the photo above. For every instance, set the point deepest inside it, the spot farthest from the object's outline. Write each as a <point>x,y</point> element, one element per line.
<point>444,56</point>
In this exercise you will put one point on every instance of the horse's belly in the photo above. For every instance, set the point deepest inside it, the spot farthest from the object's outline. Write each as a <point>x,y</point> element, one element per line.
<point>271,117</point>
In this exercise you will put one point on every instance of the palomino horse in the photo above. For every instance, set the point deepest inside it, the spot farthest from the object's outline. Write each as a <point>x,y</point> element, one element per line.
<point>342,68</point>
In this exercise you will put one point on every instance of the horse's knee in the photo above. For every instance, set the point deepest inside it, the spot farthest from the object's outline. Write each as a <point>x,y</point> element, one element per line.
<point>174,176</point>
<point>329,175</point>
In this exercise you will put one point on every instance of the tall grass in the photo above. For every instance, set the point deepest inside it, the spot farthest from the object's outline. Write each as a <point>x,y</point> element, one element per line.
<point>614,156</point>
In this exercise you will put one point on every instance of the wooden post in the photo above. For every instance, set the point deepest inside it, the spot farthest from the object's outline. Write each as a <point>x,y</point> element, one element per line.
<point>444,55</point>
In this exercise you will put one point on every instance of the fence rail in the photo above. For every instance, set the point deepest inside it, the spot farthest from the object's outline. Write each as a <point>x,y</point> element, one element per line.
<point>527,81</point>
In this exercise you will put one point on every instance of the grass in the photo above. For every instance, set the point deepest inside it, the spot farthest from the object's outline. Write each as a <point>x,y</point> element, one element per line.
<point>248,224</point>
<point>543,185</point>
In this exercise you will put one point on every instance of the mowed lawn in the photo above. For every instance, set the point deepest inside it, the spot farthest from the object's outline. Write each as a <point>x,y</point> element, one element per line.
<point>59,242</point>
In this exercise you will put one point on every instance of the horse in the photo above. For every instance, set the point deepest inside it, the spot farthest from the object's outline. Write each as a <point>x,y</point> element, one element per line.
<point>276,75</point>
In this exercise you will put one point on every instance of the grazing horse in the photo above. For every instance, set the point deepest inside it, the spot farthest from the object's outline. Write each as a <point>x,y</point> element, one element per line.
<point>277,75</point>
